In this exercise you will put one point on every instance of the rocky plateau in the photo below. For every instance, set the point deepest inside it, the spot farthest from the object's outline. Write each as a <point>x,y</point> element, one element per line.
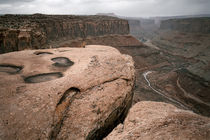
<point>19,32</point>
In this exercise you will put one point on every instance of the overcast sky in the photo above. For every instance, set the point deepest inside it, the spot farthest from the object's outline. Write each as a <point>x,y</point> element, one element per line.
<point>120,7</point>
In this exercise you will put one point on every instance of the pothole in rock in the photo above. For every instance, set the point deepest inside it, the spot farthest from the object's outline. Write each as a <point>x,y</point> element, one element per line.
<point>11,69</point>
<point>43,77</point>
<point>42,53</point>
<point>62,62</point>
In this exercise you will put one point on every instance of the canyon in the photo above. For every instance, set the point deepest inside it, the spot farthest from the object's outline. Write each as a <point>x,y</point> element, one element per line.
<point>193,25</point>
<point>179,62</point>
<point>44,31</point>
<point>63,66</point>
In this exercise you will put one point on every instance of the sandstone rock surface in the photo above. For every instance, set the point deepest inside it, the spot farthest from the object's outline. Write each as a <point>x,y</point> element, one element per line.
<point>155,120</point>
<point>64,93</point>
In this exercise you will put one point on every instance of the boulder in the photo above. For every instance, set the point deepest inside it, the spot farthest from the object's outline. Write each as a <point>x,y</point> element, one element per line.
<point>148,120</point>
<point>64,93</point>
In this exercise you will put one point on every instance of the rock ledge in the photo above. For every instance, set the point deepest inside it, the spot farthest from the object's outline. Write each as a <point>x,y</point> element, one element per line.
<point>64,93</point>
<point>160,121</point>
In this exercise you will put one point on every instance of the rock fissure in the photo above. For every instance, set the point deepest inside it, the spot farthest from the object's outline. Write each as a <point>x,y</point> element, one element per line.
<point>98,133</point>
<point>61,110</point>
<point>156,120</point>
<point>116,117</point>
<point>108,81</point>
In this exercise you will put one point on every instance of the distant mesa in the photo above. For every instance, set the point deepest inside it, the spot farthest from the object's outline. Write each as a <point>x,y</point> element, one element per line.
<point>190,25</point>
<point>38,14</point>
<point>107,14</point>
<point>38,31</point>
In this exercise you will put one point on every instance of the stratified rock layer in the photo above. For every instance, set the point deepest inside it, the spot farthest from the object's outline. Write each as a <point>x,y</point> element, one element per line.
<point>160,121</point>
<point>19,32</point>
<point>108,40</point>
<point>64,93</point>
<point>192,25</point>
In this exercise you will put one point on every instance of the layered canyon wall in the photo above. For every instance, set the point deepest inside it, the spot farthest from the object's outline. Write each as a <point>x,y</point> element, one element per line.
<point>19,32</point>
<point>191,25</point>
<point>185,43</point>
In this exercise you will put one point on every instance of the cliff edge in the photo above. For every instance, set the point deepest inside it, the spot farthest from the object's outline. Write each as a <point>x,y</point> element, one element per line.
<point>19,32</point>
<point>191,25</point>
<point>160,121</point>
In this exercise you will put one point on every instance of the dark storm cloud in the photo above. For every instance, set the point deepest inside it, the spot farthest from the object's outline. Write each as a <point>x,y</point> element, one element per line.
<point>119,7</point>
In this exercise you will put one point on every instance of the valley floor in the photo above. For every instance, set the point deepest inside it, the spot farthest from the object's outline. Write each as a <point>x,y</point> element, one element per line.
<point>179,70</point>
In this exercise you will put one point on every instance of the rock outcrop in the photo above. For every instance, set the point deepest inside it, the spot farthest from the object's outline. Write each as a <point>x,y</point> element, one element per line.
<point>64,93</point>
<point>19,32</point>
<point>108,40</point>
<point>192,25</point>
<point>156,120</point>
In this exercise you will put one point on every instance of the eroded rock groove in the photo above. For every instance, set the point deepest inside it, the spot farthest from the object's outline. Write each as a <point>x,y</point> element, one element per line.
<point>61,109</point>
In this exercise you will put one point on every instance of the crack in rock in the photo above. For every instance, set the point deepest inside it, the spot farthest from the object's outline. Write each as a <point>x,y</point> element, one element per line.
<point>61,109</point>
<point>116,117</point>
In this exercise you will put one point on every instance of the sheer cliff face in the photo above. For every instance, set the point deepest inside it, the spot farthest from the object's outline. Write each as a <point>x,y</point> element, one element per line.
<point>18,32</point>
<point>201,25</point>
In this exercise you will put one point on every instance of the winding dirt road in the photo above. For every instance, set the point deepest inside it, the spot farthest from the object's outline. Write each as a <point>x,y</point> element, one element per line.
<point>188,95</point>
<point>160,93</point>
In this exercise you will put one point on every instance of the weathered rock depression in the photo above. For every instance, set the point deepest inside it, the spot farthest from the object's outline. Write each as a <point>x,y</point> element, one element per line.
<point>64,93</point>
